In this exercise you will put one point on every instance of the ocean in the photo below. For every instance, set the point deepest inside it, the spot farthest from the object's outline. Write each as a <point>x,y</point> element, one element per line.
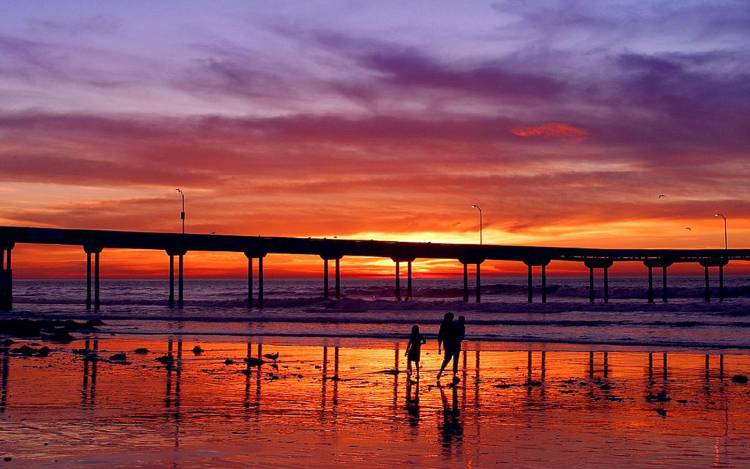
<point>368,310</point>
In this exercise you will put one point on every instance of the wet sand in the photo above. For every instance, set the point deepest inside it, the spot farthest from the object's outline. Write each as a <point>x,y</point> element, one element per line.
<point>327,403</point>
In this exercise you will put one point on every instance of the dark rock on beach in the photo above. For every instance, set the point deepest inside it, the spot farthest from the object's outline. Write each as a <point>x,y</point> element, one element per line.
<point>197,350</point>
<point>739,379</point>
<point>26,351</point>
<point>47,329</point>
<point>118,357</point>
<point>165,359</point>
<point>141,351</point>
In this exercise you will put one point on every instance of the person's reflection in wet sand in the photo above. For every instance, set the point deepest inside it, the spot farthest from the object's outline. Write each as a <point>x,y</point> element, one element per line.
<point>412,401</point>
<point>451,428</point>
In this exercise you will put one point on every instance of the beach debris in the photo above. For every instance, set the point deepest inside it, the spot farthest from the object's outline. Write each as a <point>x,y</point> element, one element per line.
<point>60,336</point>
<point>197,350</point>
<point>166,359</point>
<point>271,356</point>
<point>7,459</point>
<point>505,385</point>
<point>118,357</point>
<point>141,351</point>
<point>252,361</point>
<point>682,401</point>
<point>661,396</point>
<point>46,329</point>
<point>605,386</point>
<point>661,412</point>
<point>390,372</point>
<point>739,379</point>
<point>27,351</point>
<point>229,361</point>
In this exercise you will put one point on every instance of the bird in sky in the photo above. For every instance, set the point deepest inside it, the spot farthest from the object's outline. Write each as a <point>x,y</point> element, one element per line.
<point>688,228</point>
<point>661,196</point>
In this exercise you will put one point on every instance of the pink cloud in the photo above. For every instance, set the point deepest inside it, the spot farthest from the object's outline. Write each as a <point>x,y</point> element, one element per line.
<point>552,130</point>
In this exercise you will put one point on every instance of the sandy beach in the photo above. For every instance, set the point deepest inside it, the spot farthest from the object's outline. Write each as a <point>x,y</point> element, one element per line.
<point>325,403</point>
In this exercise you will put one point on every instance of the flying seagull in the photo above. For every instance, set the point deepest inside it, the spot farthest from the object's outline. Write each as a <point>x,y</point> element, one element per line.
<point>688,228</point>
<point>661,196</point>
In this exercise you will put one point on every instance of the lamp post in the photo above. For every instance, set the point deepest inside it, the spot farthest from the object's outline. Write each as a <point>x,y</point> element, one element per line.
<point>476,206</point>
<point>726,244</point>
<point>182,212</point>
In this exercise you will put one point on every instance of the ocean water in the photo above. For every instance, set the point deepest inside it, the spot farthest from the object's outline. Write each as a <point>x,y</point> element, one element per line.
<point>369,310</point>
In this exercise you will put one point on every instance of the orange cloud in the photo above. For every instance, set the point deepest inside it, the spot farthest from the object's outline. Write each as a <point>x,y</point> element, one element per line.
<point>551,130</point>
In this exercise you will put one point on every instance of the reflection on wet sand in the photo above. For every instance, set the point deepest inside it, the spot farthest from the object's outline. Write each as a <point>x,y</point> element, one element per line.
<point>4,379</point>
<point>90,362</point>
<point>510,405</point>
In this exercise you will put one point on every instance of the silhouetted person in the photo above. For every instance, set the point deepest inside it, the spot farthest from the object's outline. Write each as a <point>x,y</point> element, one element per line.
<point>446,341</point>
<point>414,349</point>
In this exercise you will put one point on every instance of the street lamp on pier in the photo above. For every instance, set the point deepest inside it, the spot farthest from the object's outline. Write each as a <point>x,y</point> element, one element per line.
<point>182,212</point>
<point>476,206</point>
<point>726,244</point>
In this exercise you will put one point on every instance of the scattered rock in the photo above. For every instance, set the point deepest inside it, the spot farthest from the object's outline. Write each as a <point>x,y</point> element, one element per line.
<point>118,357</point>
<point>229,361</point>
<point>165,359</point>
<point>739,379</point>
<point>252,361</point>
<point>614,398</point>
<point>24,350</point>
<point>47,329</point>
<point>390,372</point>
<point>60,336</point>
<point>272,356</point>
<point>605,387</point>
<point>7,459</point>
<point>7,342</point>
<point>661,396</point>
<point>141,351</point>
<point>661,412</point>
<point>682,401</point>
<point>197,350</point>
<point>43,352</point>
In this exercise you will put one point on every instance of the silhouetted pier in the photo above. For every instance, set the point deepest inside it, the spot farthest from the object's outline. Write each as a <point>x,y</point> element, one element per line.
<point>257,247</point>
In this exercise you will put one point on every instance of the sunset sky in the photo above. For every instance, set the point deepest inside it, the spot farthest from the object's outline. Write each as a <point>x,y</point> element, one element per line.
<point>376,120</point>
